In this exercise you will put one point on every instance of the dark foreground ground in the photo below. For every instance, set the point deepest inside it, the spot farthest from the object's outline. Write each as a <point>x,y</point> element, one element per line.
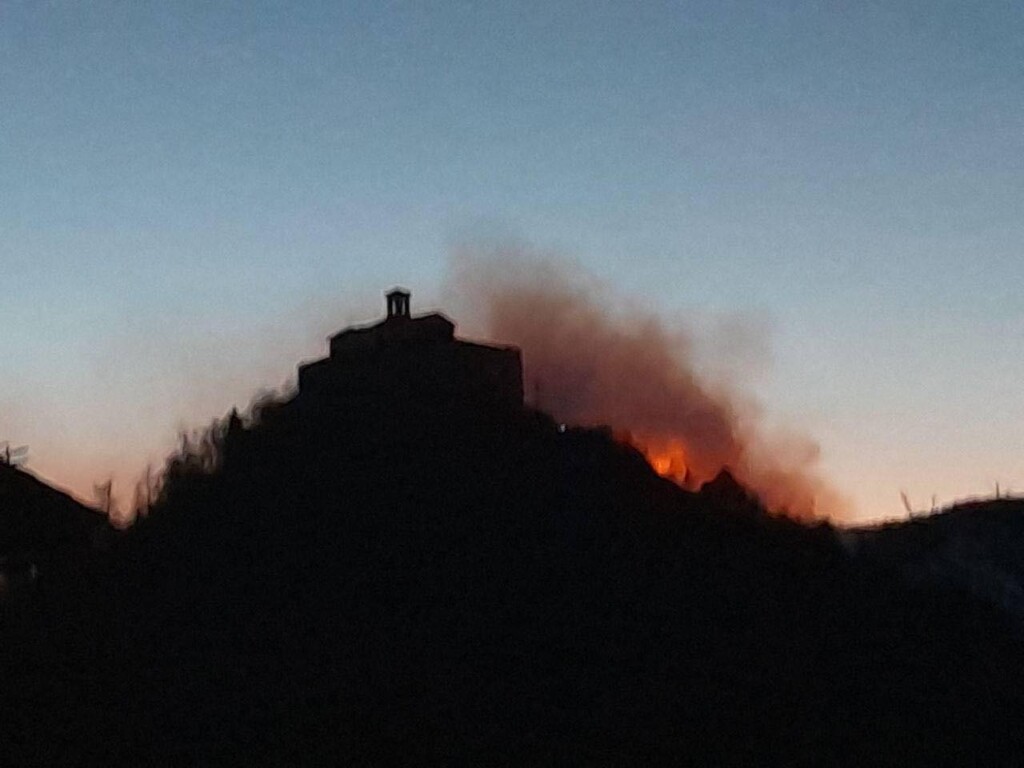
<point>488,594</point>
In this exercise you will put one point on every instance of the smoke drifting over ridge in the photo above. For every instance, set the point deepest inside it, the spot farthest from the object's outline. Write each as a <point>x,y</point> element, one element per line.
<point>589,362</point>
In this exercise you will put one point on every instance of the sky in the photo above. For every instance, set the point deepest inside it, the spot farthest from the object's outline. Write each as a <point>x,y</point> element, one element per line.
<point>194,194</point>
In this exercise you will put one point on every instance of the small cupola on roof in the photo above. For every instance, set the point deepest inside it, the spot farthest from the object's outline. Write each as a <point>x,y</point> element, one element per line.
<point>398,303</point>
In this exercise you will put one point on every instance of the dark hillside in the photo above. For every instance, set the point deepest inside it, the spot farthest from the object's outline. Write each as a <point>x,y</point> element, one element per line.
<point>482,590</point>
<point>975,546</point>
<point>44,533</point>
<point>35,516</point>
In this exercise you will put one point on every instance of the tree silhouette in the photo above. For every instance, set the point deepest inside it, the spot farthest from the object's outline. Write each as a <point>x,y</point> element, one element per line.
<point>13,457</point>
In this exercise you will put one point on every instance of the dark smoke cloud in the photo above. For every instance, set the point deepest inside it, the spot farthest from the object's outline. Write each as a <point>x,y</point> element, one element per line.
<point>591,358</point>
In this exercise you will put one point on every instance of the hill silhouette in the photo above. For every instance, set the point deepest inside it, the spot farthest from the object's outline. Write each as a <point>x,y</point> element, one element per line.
<point>439,580</point>
<point>976,546</point>
<point>43,532</point>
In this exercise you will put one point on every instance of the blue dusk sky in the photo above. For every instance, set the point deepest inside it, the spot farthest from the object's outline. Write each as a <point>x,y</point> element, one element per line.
<point>193,194</point>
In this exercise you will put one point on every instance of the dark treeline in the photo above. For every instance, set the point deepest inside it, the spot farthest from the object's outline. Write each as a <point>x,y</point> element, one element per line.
<point>401,587</point>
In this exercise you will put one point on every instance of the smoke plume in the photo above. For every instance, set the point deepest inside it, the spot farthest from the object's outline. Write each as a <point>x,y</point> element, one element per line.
<point>590,360</point>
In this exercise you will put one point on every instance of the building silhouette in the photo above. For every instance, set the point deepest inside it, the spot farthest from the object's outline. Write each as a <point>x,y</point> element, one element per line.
<point>405,365</point>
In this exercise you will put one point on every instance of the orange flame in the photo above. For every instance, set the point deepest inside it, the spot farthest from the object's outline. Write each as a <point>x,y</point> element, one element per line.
<point>667,456</point>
